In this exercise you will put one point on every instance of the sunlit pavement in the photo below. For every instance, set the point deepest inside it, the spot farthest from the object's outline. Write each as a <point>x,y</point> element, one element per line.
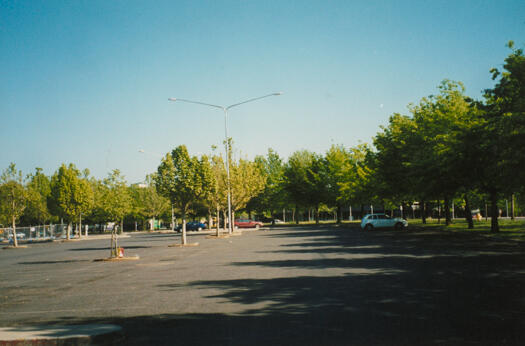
<point>290,286</point>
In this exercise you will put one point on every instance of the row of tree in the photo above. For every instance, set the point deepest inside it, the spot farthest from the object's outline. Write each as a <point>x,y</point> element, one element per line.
<point>451,145</point>
<point>449,149</point>
<point>72,196</point>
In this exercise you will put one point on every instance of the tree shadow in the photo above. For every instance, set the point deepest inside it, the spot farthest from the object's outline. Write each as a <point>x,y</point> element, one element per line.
<point>340,286</point>
<point>55,262</point>
<point>395,288</point>
<point>107,248</point>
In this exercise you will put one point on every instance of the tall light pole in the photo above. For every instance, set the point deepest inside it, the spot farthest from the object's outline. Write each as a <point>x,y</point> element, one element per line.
<point>227,142</point>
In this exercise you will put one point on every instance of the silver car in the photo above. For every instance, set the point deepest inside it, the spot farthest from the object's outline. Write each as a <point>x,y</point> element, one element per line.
<point>371,221</point>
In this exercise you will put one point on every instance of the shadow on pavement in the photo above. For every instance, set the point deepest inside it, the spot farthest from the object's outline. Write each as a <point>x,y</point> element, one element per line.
<point>55,262</point>
<point>394,288</point>
<point>107,248</point>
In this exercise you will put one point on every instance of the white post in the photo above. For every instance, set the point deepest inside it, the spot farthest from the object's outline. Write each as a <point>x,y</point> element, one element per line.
<point>350,218</point>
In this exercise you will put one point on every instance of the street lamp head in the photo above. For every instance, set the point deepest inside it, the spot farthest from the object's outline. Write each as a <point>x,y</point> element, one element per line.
<point>141,150</point>
<point>172,99</point>
<point>278,93</point>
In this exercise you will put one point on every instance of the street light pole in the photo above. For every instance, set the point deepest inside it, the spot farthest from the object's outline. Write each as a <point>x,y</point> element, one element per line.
<point>227,142</point>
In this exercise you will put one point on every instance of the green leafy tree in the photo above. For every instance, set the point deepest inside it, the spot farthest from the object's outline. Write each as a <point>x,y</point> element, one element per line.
<point>13,197</point>
<point>210,187</point>
<point>71,196</point>
<point>423,156</point>
<point>39,191</point>
<point>273,197</point>
<point>359,184</point>
<point>247,180</point>
<point>183,180</point>
<point>336,164</point>
<point>98,214</point>
<point>116,203</point>
<point>303,180</point>
<point>147,202</point>
<point>501,135</point>
<point>394,178</point>
<point>441,120</point>
<point>217,198</point>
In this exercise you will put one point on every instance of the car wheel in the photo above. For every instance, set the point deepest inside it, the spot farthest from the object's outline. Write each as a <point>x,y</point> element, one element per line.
<point>369,227</point>
<point>199,229</point>
<point>399,226</point>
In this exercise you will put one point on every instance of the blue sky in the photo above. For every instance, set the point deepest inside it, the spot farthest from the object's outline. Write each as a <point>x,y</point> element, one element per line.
<point>87,82</point>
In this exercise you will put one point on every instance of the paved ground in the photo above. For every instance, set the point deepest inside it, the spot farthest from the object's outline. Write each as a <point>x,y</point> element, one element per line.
<point>286,286</point>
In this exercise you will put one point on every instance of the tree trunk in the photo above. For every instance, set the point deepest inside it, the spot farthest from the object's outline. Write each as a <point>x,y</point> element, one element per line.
<point>448,219</point>
<point>210,221</point>
<point>111,245</point>
<point>423,211</point>
<point>218,220</point>
<point>15,241</point>
<point>296,215</point>
<point>512,207</point>
<point>468,212</point>
<point>439,211</point>
<point>494,226</point>
<point>183,235</point>
<point>68,236</point>
<point>233,219</point>
<point>362,212</point>
<point>225,218</point>
<point>339,212</point>
<point>80,226</point>
<point>316,214</point>
<point>114,243</point>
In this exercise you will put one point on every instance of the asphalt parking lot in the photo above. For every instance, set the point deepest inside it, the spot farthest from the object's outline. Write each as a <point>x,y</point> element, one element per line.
<point>285,286</point>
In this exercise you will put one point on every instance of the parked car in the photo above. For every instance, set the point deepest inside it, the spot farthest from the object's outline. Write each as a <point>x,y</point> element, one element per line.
<point>19,235</point>
<point>247,223</point>
<point>371,221</point>
<point>192,226</point>
<point>271,220</point>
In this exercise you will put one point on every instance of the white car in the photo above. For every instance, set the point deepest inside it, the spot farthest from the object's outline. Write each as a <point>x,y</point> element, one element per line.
<point>371,221</point>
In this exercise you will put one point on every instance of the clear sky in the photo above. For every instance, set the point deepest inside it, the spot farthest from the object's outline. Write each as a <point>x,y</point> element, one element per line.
<point>88,82</point>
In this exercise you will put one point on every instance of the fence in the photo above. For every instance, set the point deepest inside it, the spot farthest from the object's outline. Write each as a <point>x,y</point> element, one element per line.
<point>50,232</point>
<point>43,232</point>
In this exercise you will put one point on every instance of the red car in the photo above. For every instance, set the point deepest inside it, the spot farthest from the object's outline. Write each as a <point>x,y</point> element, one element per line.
<point>247,223</point>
